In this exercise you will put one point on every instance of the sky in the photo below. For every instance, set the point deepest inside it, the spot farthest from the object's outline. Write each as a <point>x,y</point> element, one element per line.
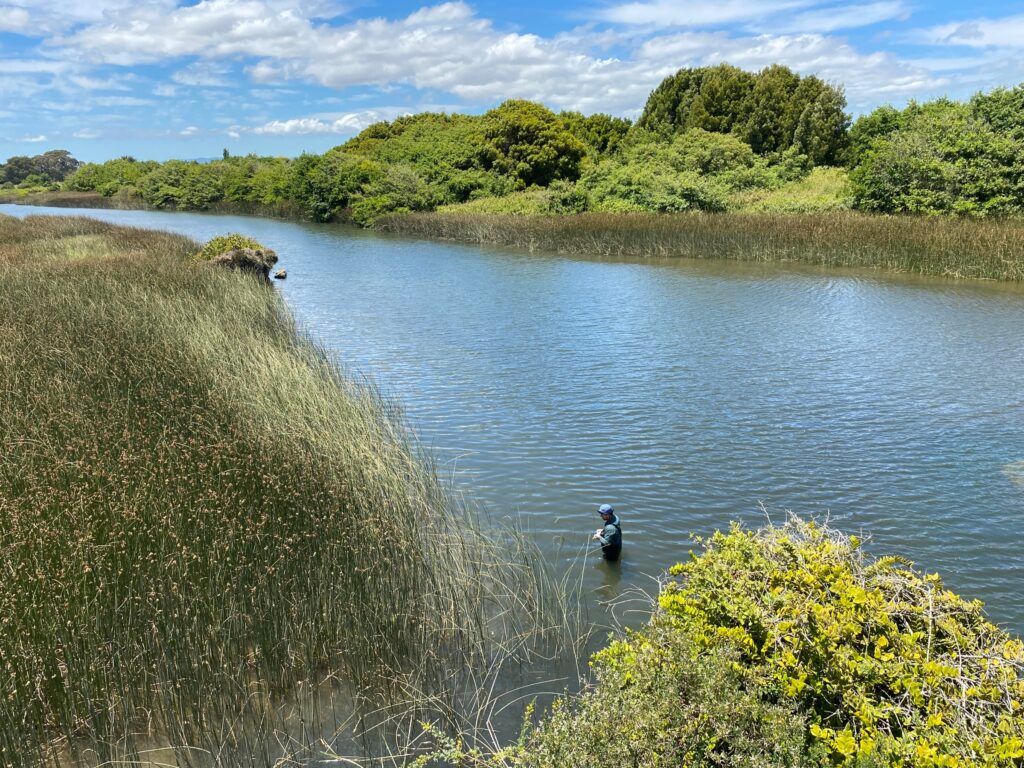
<point>162,79</point>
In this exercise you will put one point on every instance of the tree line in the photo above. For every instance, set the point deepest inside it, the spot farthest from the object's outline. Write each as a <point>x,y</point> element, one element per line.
<point>707,137</point>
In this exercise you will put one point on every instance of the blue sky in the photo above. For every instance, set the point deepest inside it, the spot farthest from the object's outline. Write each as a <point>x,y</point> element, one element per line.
<point>161,79</point>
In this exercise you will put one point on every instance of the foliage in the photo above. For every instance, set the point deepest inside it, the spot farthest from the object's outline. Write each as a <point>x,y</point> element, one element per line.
<point>942,159</point>
<point>1003,109</point>
<point>400,189</point>
<point>106,178</point>
<point>821,190</point>
<point>695,170</point>
<point>790,646</point>
<point>530,144</point>
<point>216,246</point>
<point>882,660</point>
<point>51,166</point>
<point>880,123</point>
<point>601,134</point>
<point>202,518</point>
<point>772,110</point>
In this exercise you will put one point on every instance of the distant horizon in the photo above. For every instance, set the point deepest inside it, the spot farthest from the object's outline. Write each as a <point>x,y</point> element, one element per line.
<point>167,79</point>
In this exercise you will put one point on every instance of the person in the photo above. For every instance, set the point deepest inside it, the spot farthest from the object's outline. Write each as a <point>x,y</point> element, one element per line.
<point>610,535</point>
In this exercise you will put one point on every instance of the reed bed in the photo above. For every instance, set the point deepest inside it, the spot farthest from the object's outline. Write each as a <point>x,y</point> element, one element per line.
<point>949,247</point>
<point>203,522</point>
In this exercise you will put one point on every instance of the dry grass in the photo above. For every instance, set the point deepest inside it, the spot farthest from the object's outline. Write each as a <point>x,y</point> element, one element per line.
<point>199,515</point>
<point>958,248</point>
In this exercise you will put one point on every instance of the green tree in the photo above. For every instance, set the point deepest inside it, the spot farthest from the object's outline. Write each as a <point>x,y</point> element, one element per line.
<point>1003,109</point>
<point>530,144</point>
<point>601,134</point>
<point>881,122</point>
<point>774,110</point>
<point>943,160</point>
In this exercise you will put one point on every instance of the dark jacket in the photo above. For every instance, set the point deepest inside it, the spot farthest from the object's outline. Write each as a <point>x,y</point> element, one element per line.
<point>611,538</point>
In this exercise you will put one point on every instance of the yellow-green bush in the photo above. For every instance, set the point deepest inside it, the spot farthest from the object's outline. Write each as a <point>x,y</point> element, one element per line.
<point>883,661</point>
<point>224,243</point>
<point>790,646</point>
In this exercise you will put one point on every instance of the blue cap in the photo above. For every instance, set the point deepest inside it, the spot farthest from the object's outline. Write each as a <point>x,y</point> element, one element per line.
<point>605,509</point>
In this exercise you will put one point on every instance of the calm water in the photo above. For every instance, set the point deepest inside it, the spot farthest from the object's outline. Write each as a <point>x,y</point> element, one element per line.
<point>686,394</point>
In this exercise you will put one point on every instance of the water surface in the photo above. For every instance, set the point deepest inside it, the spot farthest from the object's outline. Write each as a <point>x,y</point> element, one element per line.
<point>687,394</point>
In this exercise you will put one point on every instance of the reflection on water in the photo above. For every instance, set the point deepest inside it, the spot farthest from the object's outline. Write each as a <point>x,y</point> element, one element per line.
<point>687,394</point>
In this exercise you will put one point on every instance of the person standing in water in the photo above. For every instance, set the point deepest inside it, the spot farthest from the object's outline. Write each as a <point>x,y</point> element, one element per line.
<point>611,535</point>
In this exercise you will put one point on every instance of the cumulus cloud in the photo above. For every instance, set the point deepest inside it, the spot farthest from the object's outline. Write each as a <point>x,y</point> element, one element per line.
<point>191,130</point>
<point>351,122</point>
<point>86,133</point>
<point>865,76</point>
<point>34,139</point>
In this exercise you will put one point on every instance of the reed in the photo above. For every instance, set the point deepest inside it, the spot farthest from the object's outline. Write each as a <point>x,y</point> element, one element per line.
<point>202,520</point>
<point>949,247</point>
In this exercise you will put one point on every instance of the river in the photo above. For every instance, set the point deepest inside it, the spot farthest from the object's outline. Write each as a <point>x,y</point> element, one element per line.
<point>687,394</point>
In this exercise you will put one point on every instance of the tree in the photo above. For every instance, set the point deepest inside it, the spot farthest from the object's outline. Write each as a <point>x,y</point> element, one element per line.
<point>774,110</point>
<point>528,142</point>
<point>942,160</point>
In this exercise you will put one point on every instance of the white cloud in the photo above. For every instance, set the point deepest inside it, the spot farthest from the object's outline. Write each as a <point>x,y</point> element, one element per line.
<point>1007,32</point>
<point>697,13</point>
<point>866,77</point>
<point>86,133</point>
<point>191,130</point>
<point>351,122</point>
<point>34,139</point>
<point>14,19</point>
<point>844,17</point>
<point>165,90</point>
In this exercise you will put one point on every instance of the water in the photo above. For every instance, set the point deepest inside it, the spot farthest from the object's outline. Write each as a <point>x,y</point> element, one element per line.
<point>687,394</point>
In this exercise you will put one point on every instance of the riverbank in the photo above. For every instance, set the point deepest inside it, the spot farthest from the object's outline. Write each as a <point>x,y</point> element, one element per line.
<point>207,529</point>
<point>955,248</point>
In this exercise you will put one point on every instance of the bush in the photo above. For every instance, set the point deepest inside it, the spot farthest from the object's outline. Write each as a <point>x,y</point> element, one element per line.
<point>225,243</point>
<point>790,646</point>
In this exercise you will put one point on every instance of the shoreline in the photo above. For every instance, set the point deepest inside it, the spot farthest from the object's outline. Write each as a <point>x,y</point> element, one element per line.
<point>952,248</point>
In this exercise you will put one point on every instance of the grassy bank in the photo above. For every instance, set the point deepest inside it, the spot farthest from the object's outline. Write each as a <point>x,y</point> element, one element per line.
<point>202,521</point>
<point>958,248</point>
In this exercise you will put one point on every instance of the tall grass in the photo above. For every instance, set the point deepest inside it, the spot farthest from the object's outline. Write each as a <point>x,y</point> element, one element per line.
<point>959,248</point>
<point>200,516</point>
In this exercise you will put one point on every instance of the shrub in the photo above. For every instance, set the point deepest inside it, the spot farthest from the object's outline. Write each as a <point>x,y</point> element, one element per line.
<point>790,646</point>
<point>941,160</point>
<point>225,243</point>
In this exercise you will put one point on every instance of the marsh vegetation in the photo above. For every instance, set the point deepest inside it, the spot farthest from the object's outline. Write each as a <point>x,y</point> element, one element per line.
<point>207,529</point>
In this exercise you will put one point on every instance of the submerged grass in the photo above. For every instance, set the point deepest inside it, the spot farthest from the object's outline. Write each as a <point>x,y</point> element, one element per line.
<point>199,514</point>
<point>958,248</point>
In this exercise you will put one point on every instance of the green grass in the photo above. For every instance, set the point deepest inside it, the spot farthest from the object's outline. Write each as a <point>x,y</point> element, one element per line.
<point>202,521</point>
<point>958,248</point>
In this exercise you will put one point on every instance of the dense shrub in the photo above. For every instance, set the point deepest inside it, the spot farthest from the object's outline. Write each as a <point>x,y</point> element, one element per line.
<point>530,144</point>
<point>941,159</point>
<point>695,170</point>
<point>791,646</point>
<point>224,243</point>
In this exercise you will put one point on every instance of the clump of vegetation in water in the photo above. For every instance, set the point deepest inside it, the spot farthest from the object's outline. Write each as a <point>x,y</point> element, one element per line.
<point>206,528</point>
<point>221,244</point>
<point>791,646</point>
